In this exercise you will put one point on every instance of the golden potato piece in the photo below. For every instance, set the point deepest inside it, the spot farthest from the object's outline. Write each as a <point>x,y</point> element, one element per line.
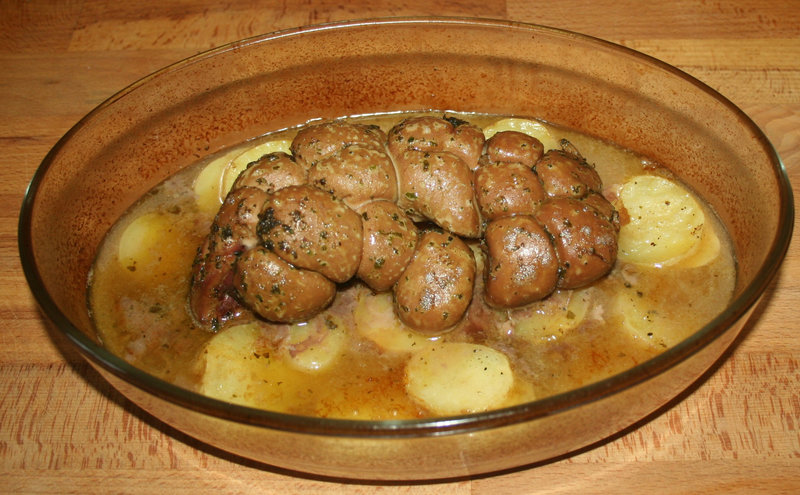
<point>207,185</point>
<point>138,240</point>
<point>645,321</point>
<point>707,250</point>
<point>550,319</point>
<point>150,244</point>
<point>316,344</point>
<point>459,378</point>
<point>238,367</point>
<point>665,222</point>
<point>376,320</point>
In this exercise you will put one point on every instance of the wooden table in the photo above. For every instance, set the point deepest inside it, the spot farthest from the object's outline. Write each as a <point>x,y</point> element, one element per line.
<point>63,429</point>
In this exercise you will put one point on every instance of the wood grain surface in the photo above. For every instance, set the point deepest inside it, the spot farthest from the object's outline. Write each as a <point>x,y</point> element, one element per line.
<point>64,430</point>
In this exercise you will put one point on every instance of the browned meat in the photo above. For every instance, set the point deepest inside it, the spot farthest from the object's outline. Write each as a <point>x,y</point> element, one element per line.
<point>565,175</point>
<point>390,238</point>
<point>435,134</point>
<point>586,242</point>
<point>514,147</point>
<point>317,142</point>
<point>506,189</point>
<point>278,291</point>
<point>344,205</point>
<point>356,175</point>
<point>523,266</point>
<point>311,229</point>
<point>271,172</point>
<point>435,290</point>
<point>438,187</point>
<point>233,231</point>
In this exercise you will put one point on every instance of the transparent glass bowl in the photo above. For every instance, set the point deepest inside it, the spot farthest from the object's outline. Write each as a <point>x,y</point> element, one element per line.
<point>171,118</point>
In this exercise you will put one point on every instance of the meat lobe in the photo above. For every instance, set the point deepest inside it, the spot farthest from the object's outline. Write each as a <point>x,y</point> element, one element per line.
<point>438,134</point>
<point>390,238</point>
<point>233,231</point>
<point>523,266</point>
<point>506,189</point>
<point>278,291</point>
<point>311,229</point>
<point>438,187</point>
<point>514,147</point>
<point>319,141</point>
<point>436,288</point>
<point>585,241</point>
<point>271,172</point>
<point>356,175</point>
<point>566,175</point>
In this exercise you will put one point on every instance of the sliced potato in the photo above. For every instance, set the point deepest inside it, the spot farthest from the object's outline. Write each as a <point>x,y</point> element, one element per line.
<point>140,241</point>
<point>238,370</point>
<point>376,320</point>
<point>555,316</point>
<point>314,345</point>
<point>235,166</point>
<point>646,322</point>
<point>459,377</point>
<point>665,221</point>
<point>525,126</point>
<point>208,183</point>
<point>706,251</point>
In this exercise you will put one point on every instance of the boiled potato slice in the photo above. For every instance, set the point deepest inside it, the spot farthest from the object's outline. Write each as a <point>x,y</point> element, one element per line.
<point>645,322</point>
<point>208,183</point>
<point>375,319</point>
<point>240,162</point>
<point>525,126</point>
<point>552,318</point>
<point>458,377</point>
<point>238,370</point>
<point>215,180</point>
<point>666,222</point>
<point>314,345</point>
<point>140,241</point>
<point>707,250</point>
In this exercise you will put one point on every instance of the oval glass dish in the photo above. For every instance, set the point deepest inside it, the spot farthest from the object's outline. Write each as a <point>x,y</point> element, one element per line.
<point>174,117</point>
